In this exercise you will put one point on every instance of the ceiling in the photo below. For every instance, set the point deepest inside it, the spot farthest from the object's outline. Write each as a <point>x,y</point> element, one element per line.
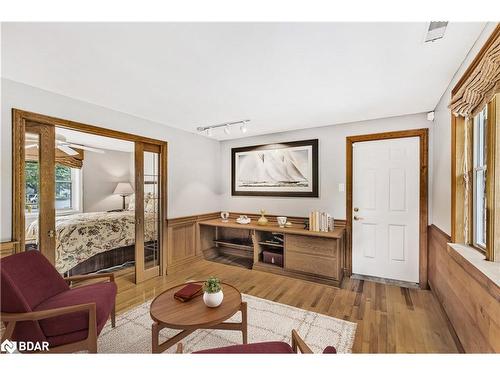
<point>282,76</point>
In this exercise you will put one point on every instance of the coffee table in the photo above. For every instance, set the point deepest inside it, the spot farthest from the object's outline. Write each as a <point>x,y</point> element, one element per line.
<point>167,312</point>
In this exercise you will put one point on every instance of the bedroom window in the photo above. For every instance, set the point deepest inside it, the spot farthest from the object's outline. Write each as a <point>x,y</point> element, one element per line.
<point>64,188</point>
<point>67,188</point>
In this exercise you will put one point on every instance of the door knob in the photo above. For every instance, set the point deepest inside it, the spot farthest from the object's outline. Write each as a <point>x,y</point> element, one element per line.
<point>356,209</point>
<point>357,218</point>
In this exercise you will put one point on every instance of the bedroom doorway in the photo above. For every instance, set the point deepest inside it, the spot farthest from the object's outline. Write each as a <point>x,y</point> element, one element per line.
<point>90,199</point>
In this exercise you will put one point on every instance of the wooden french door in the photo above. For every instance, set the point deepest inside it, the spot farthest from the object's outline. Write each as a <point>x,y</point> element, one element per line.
<point>34,141</point>
<point>150,209</point>
<point>39,170</point>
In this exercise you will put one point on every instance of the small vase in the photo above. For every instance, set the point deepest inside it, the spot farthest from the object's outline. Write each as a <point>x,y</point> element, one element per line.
<point>262,220</point>
<point>213,299</point>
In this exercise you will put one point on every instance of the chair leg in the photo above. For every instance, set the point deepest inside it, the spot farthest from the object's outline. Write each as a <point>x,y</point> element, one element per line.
<point>93,345</point>
<point>113,316</point>
<point>9,330</point>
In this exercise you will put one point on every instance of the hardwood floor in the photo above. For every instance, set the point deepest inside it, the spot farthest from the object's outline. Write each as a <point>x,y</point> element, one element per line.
<point>390,319</point>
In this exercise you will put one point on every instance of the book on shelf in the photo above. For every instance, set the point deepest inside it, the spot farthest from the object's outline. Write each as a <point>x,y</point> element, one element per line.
<point>320,221</point>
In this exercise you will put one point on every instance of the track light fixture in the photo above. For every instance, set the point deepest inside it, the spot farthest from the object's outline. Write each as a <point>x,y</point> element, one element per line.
<point>226,126</point>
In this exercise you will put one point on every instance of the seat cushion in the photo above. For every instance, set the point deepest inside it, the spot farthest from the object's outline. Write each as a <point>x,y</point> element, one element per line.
<point>103,294</point>
<point>271,347</point>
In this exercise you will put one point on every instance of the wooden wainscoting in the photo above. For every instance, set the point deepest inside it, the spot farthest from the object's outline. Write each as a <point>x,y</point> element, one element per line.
<point>469,298</point>
<point>7,248</point>
<point>183,240</point>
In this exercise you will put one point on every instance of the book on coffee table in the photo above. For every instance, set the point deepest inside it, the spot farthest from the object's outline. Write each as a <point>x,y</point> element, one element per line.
<point>188,292</point>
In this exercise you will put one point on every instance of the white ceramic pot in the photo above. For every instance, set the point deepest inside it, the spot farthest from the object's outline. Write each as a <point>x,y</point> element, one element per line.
<point>213,299</point>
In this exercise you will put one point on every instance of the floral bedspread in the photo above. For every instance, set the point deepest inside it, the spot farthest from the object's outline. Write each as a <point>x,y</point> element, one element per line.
<point>81,236</point>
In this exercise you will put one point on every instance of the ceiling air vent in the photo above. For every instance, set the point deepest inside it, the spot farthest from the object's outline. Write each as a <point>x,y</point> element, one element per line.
<point>435,31</point>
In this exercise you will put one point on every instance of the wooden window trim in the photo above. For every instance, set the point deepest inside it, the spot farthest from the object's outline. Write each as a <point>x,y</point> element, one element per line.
<point>492,251</point>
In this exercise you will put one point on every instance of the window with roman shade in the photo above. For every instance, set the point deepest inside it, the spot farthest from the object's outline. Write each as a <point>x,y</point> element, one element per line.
<point>474,105</point>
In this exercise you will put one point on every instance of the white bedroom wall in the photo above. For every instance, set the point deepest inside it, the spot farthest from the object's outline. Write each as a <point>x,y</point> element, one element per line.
<point>332,166</point>
<point>100,174</point>
<point>441,143</point>
<point>192,159</point>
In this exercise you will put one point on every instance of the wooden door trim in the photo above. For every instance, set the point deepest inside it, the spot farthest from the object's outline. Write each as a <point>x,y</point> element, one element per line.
<point>423,135</point>
<point>19,119</point>
<point>19,114</point>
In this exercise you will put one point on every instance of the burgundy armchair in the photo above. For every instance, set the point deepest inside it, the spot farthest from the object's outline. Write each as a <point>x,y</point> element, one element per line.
<point>269,347</point>
<point>38,305</point>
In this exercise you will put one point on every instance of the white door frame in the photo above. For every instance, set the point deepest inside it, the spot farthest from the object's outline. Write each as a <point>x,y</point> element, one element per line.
<point>423,193</point>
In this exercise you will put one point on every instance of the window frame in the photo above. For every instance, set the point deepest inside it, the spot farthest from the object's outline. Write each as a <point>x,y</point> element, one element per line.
<point>459,207</point>
<point>479,148</point>
<point>76,194</point>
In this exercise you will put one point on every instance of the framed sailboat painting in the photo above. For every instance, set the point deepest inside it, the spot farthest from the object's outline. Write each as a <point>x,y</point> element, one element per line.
<point>288,169</point>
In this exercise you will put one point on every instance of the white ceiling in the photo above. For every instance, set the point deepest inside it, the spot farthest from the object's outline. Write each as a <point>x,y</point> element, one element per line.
<point>282,76</point>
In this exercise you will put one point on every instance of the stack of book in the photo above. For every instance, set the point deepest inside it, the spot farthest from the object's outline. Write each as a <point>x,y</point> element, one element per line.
<point>320,222</point>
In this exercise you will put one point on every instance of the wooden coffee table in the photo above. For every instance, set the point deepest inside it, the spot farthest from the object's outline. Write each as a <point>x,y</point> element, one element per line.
<point>167,312</point>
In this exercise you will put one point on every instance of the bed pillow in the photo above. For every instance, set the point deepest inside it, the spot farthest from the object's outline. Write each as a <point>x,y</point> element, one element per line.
<point>150,203</point>
<point>131,203</point>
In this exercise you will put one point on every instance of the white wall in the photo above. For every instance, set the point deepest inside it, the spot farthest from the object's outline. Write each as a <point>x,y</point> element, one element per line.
<point>441,143</point>
<point>100,174</point>
<point>332,166</point>
<point>192,159</point>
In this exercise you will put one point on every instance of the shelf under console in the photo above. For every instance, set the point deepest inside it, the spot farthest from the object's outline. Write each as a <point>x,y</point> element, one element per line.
<point>295,252</point>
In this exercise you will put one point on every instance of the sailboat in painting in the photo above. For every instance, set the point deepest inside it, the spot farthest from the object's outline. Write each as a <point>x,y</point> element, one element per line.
<point>273,168</point>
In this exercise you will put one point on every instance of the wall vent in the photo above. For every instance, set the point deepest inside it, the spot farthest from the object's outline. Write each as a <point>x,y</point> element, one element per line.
<point>435,31</point>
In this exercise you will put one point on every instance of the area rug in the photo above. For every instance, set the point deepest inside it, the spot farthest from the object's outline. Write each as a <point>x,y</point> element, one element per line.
<point>267,321</point>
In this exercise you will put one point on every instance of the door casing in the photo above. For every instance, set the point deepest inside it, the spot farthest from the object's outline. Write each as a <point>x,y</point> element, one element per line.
<point>423,135</point>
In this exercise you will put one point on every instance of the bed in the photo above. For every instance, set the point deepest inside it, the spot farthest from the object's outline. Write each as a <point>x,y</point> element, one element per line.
<point>95,240</point>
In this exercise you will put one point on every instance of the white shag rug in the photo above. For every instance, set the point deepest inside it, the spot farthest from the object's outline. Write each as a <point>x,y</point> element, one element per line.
<point>267,321</point>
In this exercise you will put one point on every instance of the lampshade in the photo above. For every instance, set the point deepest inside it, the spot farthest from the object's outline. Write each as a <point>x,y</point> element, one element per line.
<point>124,188</point>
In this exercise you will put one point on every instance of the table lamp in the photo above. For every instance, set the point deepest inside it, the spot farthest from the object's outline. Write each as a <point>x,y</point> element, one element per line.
<point>124,189</point>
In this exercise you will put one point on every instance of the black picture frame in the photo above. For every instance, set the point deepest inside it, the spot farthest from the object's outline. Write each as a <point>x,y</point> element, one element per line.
<point>314,193</point>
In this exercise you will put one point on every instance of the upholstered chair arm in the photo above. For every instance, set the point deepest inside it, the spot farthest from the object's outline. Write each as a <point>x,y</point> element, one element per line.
<point>12,318</point>
<point>109,275</point>
<point>298,343</point>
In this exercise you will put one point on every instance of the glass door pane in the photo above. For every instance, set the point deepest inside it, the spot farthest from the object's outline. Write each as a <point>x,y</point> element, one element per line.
<point>31,190</point>
<point>148,211</point>
<point>151,210</point>
<point>39,210</point>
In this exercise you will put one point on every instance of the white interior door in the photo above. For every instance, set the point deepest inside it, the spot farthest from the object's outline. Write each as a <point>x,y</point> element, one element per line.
<point>385,226</point>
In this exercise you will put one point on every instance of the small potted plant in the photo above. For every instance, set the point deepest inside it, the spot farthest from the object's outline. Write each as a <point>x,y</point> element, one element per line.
<point>213,295</point>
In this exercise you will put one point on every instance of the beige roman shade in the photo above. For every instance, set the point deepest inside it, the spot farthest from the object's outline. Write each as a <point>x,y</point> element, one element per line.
<point>480,83</point>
